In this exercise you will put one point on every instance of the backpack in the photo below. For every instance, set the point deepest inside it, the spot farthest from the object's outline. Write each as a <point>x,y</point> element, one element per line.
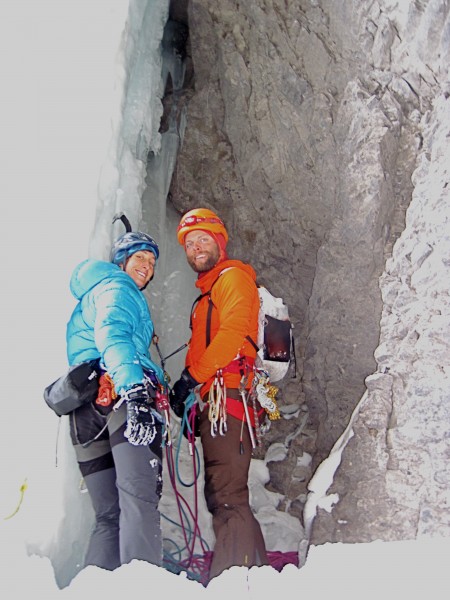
<point>275,342</point>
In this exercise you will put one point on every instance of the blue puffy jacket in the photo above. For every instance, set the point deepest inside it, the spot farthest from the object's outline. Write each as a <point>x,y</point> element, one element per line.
<point>111,321</point>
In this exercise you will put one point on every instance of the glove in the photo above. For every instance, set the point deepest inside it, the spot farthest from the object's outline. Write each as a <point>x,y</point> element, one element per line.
<point>141,427</point>
<point>180,391</point>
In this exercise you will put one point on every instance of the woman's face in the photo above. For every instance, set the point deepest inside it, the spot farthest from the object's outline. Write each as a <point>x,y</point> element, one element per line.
<point>140,267</point>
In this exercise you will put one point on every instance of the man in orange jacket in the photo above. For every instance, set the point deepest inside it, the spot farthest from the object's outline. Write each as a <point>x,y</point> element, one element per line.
<point>220,363</point>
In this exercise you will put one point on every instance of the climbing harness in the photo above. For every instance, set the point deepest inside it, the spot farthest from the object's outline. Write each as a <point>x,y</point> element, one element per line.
<point>261,391</point>
<point>92,440</point>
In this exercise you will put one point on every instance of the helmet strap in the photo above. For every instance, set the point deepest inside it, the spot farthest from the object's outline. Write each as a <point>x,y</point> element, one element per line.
<point>143,288</point>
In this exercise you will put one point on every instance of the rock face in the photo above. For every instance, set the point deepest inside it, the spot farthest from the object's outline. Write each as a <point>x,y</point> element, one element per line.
<point>319,131</point>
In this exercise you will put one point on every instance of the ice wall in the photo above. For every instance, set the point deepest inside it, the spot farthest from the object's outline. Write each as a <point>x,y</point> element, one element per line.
<point>136,114</point>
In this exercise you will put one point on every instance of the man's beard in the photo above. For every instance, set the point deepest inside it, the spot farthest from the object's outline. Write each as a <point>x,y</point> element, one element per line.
<point>208,264</point>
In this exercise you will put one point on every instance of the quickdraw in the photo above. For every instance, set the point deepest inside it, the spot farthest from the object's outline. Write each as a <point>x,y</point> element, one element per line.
<point>217,406</point>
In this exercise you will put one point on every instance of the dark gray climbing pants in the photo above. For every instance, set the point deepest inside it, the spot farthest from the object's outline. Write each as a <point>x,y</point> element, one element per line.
<point>124,483</point>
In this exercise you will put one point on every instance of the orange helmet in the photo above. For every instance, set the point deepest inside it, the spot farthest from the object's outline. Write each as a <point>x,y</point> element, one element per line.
<point>200,218</point>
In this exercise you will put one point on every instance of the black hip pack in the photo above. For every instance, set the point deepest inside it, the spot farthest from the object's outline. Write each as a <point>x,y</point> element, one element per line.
<point>75,388</point>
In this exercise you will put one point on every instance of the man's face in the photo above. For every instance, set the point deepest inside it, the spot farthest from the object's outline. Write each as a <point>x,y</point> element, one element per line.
<point>140,267</point>
<point>202,251</point>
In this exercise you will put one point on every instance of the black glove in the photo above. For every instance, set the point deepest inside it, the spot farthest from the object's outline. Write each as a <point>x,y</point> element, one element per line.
<point>180,391</point>
<point>141,427</point>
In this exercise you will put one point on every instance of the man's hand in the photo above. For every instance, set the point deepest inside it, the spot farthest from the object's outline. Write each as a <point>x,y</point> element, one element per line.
<point>141,427</point>
<point>180,391</point>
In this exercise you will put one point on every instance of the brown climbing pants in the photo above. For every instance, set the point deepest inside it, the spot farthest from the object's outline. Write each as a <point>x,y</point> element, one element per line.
<point>239,540</point>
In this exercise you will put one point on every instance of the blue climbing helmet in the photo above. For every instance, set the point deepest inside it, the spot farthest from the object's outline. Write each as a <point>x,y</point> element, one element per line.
<point>131,242</point>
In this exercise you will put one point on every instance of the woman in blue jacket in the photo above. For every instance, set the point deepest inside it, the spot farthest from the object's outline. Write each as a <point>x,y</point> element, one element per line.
<point>117,438</point>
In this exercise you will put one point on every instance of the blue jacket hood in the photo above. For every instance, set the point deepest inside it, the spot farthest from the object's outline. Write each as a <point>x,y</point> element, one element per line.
<point>89,273</point>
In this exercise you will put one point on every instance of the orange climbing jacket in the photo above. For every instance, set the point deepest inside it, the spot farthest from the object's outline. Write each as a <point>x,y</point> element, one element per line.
<point>225,314</point>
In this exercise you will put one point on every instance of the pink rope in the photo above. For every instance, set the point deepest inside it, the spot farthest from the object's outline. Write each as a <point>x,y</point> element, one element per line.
<point>278,560</point>
<point>196,534</point>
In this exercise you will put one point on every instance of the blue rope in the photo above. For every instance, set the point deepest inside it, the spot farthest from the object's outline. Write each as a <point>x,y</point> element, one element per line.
<point>189,404</point>
<point>189,531</point>
<point>173,560</point>
<point>194,565</point>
